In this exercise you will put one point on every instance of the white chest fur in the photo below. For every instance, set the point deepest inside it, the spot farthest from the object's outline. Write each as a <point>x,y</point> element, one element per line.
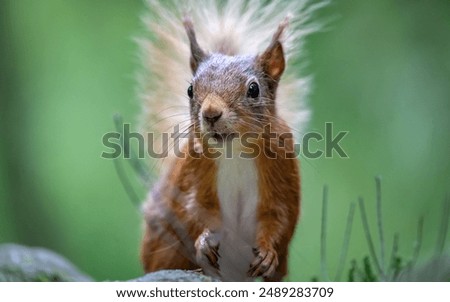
<point>237,187</point>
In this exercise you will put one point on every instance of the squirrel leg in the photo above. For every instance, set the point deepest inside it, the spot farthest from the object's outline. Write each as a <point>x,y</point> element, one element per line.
<point>280,271</point>
<point>272,240</point>
<point>207,252</point>
<point>278,212</point>
<point>266,260</point>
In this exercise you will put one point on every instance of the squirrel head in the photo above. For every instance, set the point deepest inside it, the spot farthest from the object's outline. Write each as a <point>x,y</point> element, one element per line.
<point>232,95</point>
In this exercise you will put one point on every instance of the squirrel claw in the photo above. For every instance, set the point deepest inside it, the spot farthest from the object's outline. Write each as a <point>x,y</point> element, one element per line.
<point>207,256</point>
<point>265,263</point>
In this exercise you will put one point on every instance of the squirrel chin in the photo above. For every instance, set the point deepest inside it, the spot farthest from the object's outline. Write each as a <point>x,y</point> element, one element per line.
<point>218,140</point>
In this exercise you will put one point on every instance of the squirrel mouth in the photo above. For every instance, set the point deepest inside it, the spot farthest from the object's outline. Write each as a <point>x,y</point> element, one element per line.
<point>223,136</point>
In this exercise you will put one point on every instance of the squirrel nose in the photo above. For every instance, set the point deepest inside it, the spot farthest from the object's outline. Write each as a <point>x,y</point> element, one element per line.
<point>211,116</point>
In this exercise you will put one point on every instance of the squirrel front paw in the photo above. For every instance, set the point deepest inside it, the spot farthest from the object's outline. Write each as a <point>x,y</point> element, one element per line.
<point>265,263</point>
<point>207,252</point>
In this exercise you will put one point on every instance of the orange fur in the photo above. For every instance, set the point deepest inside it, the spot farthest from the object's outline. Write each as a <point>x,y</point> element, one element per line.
<point>277,212</point>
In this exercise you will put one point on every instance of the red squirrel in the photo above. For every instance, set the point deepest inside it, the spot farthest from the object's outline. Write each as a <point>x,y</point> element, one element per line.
<point>230,201</point>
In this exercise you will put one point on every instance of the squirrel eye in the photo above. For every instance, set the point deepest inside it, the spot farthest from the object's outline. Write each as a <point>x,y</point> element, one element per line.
<point>190,92</point>
<point>253,90</point>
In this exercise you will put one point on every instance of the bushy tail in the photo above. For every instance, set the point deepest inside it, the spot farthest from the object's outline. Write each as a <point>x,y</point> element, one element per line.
<point>245,27</point>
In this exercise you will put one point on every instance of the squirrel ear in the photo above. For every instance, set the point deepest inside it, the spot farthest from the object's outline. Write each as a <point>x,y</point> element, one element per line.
<point>197,54</point>
<point>272,60</point>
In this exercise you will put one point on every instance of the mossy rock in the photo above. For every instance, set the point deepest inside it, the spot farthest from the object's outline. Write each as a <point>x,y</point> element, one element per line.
<point>174,276</point>
<point>20,263</point>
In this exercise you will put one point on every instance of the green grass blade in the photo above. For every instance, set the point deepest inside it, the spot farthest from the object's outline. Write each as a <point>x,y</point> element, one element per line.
<point>352,271</point>
<point>368,236</point>
<point>380,226</point>
<point>345,244</point>
<point>323,239</point>
<point>393,263</point>
<point>369,276</point>
<point>418,242</point>
<point>132,195</point>
<point>137,164</point>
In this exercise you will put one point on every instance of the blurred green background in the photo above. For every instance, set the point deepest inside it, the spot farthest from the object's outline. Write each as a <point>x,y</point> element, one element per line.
<point>382,72</point>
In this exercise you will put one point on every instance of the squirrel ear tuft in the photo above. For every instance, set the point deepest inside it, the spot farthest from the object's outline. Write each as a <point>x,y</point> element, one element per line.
<point>197,54</point>
<point>272,60</point>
